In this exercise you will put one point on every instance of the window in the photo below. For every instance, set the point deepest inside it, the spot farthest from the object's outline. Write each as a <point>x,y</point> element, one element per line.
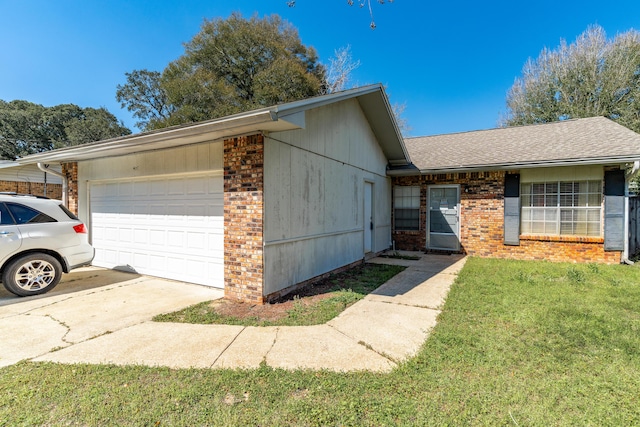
<point>561,208</point>
<point>5,217</point>
<point>68,212</point>
<point>406,203</point>
<point>25,215</point>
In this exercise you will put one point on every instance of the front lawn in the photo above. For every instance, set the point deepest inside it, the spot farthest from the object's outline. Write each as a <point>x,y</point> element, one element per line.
<point>518,343</point>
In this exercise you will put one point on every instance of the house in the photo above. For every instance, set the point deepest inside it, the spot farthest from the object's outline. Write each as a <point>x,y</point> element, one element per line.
<point>29,179</point>
<point>556,191</point>
<point>258,203</point>
<point>269,200</point>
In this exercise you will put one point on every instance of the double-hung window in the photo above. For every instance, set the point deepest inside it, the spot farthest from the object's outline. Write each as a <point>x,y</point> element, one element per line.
<point>406,203</point>
<point>561,208</point>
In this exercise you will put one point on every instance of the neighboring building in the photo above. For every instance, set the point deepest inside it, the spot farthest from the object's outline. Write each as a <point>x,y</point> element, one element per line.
<point>29,179</point>
<point>266,201</point>
<point>553,191</point>
<point>259,202</point>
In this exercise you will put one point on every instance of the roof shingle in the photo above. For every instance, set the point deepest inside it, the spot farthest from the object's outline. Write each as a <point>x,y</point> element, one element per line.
<point>590,140</point>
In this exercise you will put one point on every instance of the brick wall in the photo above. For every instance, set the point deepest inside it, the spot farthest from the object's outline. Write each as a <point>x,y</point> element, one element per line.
<point>243,218</point>
<point>70,171</point>
<point>482,222</point>
<point>53,191</point>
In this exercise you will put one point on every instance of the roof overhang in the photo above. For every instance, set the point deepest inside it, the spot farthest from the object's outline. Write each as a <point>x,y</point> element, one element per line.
<point>289,116</point>
<point>408,171</point>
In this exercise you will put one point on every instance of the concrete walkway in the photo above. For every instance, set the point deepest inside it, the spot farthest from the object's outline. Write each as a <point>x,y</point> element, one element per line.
<point>111,323</point>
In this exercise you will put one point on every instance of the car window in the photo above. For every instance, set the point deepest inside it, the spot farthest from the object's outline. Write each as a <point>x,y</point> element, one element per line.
<point>26,215</point>
<point>68,212</point>
<point>5,216</point>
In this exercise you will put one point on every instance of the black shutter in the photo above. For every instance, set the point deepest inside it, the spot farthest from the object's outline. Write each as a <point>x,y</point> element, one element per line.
<point>614,216</point>
<point>512,209</point>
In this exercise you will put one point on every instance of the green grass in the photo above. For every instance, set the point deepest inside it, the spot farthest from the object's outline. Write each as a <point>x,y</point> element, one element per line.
<point>344,289</point>
<point>517,343</point>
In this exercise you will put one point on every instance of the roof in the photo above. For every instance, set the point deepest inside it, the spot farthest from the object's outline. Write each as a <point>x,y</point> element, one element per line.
<point>595,140</point>
<point>289,116</point>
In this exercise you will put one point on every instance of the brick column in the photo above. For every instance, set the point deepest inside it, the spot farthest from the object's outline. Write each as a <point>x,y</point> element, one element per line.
<point>243,218</point>
<point>70,171</point>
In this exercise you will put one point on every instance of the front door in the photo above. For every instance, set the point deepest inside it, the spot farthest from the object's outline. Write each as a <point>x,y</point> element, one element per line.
<point>443,231</point>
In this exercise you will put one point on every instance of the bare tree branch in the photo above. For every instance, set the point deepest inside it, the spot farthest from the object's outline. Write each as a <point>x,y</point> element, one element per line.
<point>361,3</point>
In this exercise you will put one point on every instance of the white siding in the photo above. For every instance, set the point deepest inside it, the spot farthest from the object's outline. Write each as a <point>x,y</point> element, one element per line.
<point>314,195</point>
<point>28,173</point>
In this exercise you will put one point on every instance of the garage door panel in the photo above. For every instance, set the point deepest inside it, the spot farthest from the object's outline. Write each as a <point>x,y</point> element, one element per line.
<point>166,226</point>
<point>141,188</point>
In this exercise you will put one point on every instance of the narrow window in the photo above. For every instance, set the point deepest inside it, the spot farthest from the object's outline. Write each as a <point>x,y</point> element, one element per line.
<point>406,203</point>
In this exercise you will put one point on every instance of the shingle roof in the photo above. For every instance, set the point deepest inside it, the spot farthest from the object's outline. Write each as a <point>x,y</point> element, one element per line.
<point>579,141</point>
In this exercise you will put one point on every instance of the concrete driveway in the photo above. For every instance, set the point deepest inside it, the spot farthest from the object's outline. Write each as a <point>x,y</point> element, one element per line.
<point>104,317</point>
<point>87,303</point>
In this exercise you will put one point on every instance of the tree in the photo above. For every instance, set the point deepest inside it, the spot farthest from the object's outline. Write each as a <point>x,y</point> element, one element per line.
<point>593,76</point>
<point>339,70</point>
<point>361,3</point>
<point>92,124</point>
<point>28,128</point>
<point>143,94</point>
<point>231,65</point>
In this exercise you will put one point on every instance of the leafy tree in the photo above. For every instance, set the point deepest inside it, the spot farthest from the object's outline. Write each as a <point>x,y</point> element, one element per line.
<point>231,65</point>
<point>593,76</point>
<point>144,95</point>
<point>28,128</point>
<point>92,124</point>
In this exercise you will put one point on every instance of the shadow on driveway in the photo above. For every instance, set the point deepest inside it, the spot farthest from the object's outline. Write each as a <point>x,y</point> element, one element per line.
<point>81,279</point>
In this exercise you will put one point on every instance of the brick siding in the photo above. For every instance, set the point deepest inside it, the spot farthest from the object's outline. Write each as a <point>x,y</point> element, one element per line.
<point>482,224</point>
<point>52,191</point>
<point>70,171</point>
<point>243,218</point>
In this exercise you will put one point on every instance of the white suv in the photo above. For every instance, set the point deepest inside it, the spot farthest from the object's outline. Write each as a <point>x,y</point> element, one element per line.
<point>39,240</point>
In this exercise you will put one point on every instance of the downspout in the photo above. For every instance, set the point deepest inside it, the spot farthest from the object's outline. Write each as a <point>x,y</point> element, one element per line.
<point>628,177</point>
<point>45,168</point>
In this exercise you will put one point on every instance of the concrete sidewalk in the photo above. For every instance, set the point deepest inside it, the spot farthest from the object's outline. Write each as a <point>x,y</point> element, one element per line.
<point>112,324</point>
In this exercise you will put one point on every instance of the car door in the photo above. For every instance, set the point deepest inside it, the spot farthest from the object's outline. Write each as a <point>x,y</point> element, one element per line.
<point>10,238</point>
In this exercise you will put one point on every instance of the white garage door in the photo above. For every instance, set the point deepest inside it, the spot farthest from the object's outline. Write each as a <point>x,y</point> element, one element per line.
<point>169,226</point>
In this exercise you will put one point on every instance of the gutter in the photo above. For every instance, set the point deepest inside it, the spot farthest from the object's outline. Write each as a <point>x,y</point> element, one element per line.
<point>45,168</point>
<point>628,177</point>
<point>513,166</point>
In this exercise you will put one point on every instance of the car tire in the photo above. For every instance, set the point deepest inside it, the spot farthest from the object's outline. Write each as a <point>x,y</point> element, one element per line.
<point>32,274</point>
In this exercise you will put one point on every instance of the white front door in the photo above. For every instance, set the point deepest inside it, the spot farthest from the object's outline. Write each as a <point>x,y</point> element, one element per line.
<point>166,226</point>
<point>443,230</point>
<point>368,217</point>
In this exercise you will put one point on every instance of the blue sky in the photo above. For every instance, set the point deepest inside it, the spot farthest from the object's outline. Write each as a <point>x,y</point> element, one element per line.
<point>451,62</point>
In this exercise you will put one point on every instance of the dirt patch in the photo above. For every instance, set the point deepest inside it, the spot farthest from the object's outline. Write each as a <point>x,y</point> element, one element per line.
<point>278,309</point>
